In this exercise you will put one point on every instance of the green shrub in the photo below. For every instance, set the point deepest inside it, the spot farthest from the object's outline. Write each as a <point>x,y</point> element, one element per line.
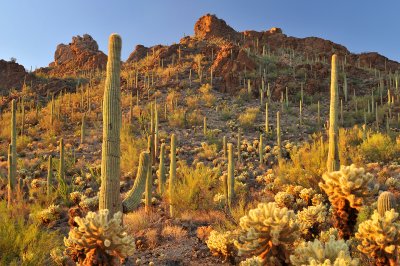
<point>248,118</point>
<point>196,187</point>
<point>23,242</point>
<point>379,148</point>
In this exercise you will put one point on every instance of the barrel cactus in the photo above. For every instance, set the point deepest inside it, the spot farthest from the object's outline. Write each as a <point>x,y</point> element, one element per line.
<point>99,240</point>
<point>386,202</point>
<point>380,237</point>
<point>348,190</point>
<point>268,232</point>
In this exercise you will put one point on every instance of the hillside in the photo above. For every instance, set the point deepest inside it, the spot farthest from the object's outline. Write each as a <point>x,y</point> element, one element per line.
<point>267,94</point>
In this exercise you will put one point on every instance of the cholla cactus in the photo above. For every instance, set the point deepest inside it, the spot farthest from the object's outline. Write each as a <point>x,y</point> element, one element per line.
<point>284,199</point>
<point>221,243</point>
<point>51,214</point>
<point>75,197</point>
<point>253,261</point>
<point>267,231</point>
<point>310,220</point>
<point>348,190</point>
<point>99,240</point>
<point>307,194</point>
<point>333,253</point>
<point>380,237</point>
<point>89,203</point>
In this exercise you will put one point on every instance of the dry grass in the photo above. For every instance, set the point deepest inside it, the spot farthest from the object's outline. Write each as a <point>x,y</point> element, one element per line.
<point>173,231</point>
<point>139,220</point>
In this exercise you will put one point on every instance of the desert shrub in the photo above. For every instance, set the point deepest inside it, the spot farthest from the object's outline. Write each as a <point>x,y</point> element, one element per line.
<point>23,242</point>
<point>379,148</point>
<point>248,118</point>
<point>130,150</point>
<point>192,102</point>
<point>307,164</point>
<point>195,187</point>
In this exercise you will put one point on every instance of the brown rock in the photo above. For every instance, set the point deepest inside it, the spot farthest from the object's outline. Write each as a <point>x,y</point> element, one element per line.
<point>82,54</point>
<point>209,26</point>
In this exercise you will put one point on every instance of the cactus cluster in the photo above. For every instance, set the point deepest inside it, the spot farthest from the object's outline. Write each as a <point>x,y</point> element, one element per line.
<point>332,253</point>
<point>221,243</point>
<point>380,237</point>
<point>348,190</point>
<point>268,232</point>
<point>99,240</point>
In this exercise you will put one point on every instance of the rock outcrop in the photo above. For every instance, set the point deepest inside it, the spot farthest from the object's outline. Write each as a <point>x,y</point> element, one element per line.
<point>12,75</point>
<point>209,26</point>
<point>81,54</point>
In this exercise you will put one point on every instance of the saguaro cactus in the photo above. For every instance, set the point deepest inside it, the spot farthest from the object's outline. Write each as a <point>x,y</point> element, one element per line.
<point>149,179</point>
<point>231,177</point>
<point>161,170</point>
<point>172,175</point>
<point>83,128</point>
<point>333,163</point>
<point>61,170</point>
<point>261,149</point>
<point>49,175</point>
<point>134,196</point>
<point>10,186</point>
<point>109,197</point>
<point>13,143</point>
<point>266,119</point>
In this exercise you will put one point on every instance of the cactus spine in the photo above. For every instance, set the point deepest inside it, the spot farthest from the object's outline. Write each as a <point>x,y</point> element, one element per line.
<point>386,202</point>
<point>134,196</point>
<point>333,163</point>
<point>172,175</point>
<point>49,175</point>
<point>161,170</point>
<point>231,177</point>
<point>109,197</point>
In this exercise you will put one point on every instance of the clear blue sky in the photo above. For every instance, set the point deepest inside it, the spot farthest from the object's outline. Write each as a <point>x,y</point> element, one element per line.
<point>30,30</point>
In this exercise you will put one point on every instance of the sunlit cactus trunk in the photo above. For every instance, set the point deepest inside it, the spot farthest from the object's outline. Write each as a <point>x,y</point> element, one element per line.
<point>161,170</point>
<point>13,144</point>
<point>134,196</point>
<point>61,170</point>
<point>231,176</point>
<point>109,197</point>
<point>10,187</point>
<point>333,163</point>
<point>172,175</point>
<point>49,176</point>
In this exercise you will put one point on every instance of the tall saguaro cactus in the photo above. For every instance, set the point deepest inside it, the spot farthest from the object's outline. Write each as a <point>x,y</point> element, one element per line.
<point>161,170</point>
<point>109,197</point>
<point>172,175</point>
<point>231,177</point>
<point>61,170</point>
<point>13,144</point>
<point>333,163</point>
